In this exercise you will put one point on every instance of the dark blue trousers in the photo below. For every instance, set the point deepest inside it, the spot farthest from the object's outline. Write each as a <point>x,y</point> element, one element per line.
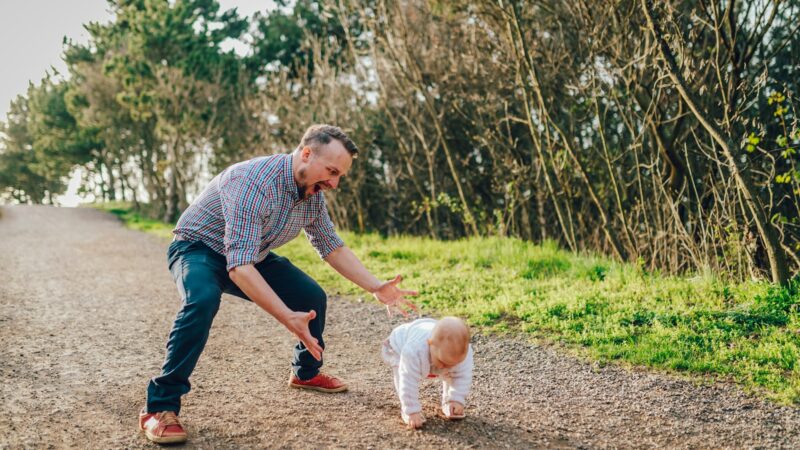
<point>201,277</point>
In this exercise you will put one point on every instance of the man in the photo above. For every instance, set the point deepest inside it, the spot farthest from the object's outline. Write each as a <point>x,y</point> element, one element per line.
<point>223,243</point>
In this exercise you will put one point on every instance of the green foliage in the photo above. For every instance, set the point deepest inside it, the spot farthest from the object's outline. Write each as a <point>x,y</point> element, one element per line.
<point>281,37</point>
<point>41,143</point>
<point>778,99</point>
<point>752,142</point>
<point>18,179</point>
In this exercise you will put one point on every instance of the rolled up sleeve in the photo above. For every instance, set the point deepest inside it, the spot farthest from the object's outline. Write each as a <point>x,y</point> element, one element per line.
<point>321,233</point>
<point>244,206</point>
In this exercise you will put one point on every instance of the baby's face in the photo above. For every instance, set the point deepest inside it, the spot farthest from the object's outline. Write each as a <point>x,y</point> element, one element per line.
<point>444,358</point>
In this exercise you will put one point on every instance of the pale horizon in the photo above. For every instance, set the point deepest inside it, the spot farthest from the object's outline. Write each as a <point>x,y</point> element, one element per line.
<point>32,33</point>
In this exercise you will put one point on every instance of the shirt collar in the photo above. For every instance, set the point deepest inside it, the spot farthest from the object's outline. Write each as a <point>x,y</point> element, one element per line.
<point>288,177</point>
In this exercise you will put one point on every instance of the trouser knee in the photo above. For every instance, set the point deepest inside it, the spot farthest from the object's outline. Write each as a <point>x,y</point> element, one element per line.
<point>200,308</point>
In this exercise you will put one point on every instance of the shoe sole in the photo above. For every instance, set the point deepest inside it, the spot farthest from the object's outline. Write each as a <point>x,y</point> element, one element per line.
<point>165,439</point>
<point>317,388</point>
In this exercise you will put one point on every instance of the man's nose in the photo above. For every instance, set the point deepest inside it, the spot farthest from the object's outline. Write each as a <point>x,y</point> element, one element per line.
<point>334,182</point>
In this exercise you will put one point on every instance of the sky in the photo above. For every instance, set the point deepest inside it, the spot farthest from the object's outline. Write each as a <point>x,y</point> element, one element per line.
<point>32,32</point>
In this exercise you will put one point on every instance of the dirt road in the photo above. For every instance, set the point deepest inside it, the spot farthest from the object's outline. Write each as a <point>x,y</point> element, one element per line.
<point>86,306</point>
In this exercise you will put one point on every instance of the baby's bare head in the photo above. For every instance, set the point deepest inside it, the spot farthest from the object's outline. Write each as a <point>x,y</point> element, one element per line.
<point>449,342</point>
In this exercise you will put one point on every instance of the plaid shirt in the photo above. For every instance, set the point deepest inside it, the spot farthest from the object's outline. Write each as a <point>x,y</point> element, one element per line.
<point>253,207</point>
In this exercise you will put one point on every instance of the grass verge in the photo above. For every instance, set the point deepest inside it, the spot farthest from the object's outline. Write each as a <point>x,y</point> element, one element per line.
<point>699,325</point>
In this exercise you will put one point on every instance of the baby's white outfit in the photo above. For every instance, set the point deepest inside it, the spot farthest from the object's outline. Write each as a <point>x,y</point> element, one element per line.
<point>407,351</point>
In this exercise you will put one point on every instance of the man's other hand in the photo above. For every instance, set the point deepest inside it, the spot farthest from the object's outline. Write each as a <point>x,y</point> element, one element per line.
<point>297,323</point>
<point>394,298</point>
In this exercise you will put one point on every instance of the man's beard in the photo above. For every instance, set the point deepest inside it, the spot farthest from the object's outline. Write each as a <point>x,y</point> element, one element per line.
<point>303,187</point>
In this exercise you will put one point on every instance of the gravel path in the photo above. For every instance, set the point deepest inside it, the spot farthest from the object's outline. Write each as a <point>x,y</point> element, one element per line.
<point>86,306</point>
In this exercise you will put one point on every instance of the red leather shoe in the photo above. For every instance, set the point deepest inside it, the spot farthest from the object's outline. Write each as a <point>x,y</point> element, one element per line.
<point>321,382</point>
<point>162,427</point>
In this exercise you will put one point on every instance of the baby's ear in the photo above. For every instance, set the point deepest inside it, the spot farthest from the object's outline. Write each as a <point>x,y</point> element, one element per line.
<point>429,341</point>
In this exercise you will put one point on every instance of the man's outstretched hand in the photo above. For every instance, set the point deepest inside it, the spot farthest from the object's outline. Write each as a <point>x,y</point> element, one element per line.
<point>297,323</point>
<point>394,298</point>
<point>255,286</point>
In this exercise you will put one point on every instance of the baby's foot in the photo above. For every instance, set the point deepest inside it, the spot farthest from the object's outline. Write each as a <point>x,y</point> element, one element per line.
<point>453,411</point>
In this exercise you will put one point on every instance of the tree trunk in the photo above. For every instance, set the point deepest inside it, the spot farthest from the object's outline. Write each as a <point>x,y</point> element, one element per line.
<point>112,189</point>
<point>172,200</point>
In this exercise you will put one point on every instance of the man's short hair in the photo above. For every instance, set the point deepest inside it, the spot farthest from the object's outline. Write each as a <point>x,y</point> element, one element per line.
<point>322,134</point>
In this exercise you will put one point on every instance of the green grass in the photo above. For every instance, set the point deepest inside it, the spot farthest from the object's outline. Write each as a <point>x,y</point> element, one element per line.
<point>136,221</point>
<point>700,325</point>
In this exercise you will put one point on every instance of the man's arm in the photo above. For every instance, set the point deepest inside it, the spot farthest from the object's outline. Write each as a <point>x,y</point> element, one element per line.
<point>344,261</point>
<point>256,288</point>
<point>245,204</point>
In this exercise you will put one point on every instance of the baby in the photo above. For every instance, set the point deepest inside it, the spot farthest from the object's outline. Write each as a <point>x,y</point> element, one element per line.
<point>430,348</point>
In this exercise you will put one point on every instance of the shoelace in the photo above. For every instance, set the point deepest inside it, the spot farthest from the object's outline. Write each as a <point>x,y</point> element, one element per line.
<point>325,380</point>
<point>329,380</point>
<point>168,418</point>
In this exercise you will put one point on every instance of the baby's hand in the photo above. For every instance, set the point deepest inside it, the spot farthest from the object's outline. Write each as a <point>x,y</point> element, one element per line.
<point>415,421</point>
<point>455,410</point>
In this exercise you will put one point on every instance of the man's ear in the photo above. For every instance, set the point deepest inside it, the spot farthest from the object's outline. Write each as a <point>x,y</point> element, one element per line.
<point>305,153</point>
